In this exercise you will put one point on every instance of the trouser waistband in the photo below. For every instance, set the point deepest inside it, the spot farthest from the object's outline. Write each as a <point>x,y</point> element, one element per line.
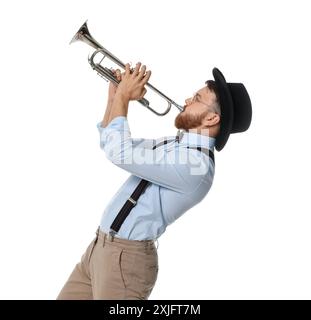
<point>131,244</point>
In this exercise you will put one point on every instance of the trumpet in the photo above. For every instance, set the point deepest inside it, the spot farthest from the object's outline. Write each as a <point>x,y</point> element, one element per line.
<point>84,35</point>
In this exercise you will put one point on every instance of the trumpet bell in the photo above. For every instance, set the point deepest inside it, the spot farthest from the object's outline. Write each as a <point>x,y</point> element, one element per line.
<point>84,35</point>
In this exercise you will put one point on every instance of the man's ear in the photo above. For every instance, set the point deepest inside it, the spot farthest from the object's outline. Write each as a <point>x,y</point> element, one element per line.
<point>211,119</point>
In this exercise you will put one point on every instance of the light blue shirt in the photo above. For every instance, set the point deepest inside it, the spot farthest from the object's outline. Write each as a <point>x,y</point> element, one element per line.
<point>180,178</point>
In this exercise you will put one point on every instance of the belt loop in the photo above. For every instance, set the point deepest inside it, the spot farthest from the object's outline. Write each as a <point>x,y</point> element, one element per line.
<point>157,244</point>
<point>97,233</point>
<point>104,239</point>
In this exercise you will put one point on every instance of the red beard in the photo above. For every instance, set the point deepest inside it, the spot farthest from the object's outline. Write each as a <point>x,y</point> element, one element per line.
<point>188,121</point>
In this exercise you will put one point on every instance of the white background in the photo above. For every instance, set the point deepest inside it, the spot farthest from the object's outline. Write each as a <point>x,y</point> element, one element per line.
<point>250,237</point>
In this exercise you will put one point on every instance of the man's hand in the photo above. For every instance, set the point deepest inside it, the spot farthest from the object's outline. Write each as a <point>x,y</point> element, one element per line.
<point>132,85</point>
<point>112,86</point>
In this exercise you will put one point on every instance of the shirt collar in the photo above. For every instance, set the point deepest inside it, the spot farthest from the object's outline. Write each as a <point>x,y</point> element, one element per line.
<point>190,138</point>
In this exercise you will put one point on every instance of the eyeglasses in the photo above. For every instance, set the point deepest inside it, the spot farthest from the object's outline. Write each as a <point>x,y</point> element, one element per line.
<point>195,98</point>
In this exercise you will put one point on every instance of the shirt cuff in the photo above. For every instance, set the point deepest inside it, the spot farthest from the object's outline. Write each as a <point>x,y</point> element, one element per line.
<point>119,123</point>
<point>99,127</point>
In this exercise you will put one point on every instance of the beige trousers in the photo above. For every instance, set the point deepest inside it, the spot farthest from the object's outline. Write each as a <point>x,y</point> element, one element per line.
<point>113,269</point>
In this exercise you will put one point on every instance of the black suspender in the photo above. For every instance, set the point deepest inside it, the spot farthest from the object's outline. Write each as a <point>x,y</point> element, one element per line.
<point>208,152</point>
<point>128,206</point>
<point>132,200</point>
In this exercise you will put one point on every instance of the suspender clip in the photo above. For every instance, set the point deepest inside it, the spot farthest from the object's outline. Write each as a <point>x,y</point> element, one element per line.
<point>111,235</point>
<point>132,200</point>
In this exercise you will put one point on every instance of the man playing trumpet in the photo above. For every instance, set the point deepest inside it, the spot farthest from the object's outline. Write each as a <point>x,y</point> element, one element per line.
<point>122,263</point>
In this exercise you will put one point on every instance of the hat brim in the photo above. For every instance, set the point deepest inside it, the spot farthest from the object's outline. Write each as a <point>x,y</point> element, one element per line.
<point>226,106</point>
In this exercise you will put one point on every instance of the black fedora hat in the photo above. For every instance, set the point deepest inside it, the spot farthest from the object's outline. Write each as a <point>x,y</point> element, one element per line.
<point>236,108</point>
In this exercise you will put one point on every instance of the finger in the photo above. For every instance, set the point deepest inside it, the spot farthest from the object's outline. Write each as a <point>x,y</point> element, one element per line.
<point>118,74</point>
<point>136,70</point>
<point>143,93</point>
<point>146,77</point>
<point>141,73</point>
<point>123,74</point>
<point>127,69</point>
<point>114,72</point>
